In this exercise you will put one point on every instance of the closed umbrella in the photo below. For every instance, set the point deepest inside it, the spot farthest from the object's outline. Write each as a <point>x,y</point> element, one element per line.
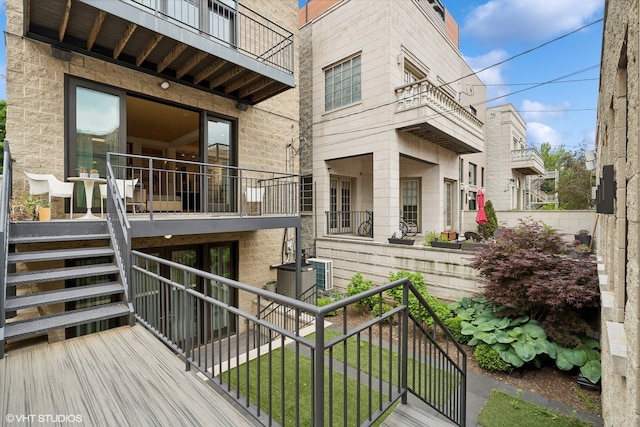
<point>481,217</point>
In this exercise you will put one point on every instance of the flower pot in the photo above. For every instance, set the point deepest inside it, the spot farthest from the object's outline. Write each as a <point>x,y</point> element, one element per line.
<point>408,242</point>
<point>584,239</point>
<point>445,245</point>
<point>270,286</point>
<point>84,175</point>
<point>44,214</point>
<point>94,175</point>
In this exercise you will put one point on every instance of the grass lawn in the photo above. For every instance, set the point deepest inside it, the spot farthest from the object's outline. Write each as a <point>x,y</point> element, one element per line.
<point>503,410</point>
<point>303,397</point>
<point>436,386</point>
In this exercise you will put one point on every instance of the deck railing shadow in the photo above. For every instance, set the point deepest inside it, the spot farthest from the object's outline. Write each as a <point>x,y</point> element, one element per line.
<point>351,376</point>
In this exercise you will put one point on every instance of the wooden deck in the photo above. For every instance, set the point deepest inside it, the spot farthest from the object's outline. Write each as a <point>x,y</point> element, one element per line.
<point>123,377</point>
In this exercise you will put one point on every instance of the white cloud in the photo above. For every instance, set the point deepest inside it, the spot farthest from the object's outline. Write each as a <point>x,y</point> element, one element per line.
<point>534,110</point>
<point>492,76</point>
<point>497,22</point>
<point>537,133</point>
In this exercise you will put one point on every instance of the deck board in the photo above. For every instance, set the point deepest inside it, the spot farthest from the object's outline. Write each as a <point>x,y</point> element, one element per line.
<point>123,377</point>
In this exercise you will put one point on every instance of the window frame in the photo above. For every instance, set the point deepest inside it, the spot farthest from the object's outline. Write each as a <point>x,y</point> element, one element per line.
<point>330,102</point>
<point>306,194</point>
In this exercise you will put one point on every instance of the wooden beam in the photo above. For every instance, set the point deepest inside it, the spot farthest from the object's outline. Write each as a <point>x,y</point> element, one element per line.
<point>249,78</point>
<point>148,48</point>
<point>260,84</point>
<point>225,77</point>
<point>215,66</point>
<point>192,62</point>
<point>65,21</point>
<point>175,52</point>
<point>124,39</point>
<point>95,29</point>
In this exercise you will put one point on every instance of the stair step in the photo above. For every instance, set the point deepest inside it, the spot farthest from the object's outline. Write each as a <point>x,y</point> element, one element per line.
<point>52,255</point>
<point>57,238</point>
<point>63,295</point>
<point>14,279</point>
<point>64,320</point>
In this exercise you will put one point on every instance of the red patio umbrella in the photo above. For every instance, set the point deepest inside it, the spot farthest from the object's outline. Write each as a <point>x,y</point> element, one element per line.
<point>481,217</point>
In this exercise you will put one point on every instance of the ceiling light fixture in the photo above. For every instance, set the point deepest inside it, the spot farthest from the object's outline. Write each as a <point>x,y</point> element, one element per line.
<point>164,85</point>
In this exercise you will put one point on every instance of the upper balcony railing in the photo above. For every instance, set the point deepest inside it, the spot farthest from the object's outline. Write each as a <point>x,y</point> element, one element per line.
<point>232,24</point>
<point>528,160</point>
<point>424,93</point>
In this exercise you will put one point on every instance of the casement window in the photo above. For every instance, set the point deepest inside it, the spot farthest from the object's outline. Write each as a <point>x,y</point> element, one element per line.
<point>306,194</point>
<point>342,84</point>
<point>473,174</point>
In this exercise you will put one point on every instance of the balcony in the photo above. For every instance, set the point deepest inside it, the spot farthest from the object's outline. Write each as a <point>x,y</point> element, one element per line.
<point>527,161</point>
<point>430,113</point>
<point>228,51</point>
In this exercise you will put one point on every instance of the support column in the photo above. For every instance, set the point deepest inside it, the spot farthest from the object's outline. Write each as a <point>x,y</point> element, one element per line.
<point>386,193</point>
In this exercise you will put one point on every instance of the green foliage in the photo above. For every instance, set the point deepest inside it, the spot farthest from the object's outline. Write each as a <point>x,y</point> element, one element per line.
<point>380,309</point>
<point>527,271</point>
<point>430,237</point>
<point>586,357</point>
<point>574,181</point>
<point>489,359</point>
<point>454,324</point>
<point>326,300</point>
<point>439,307</point>
<point>356,286</point>
<point>487,230</point>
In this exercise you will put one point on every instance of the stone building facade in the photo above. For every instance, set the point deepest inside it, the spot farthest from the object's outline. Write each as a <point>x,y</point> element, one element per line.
<point>618,180</point>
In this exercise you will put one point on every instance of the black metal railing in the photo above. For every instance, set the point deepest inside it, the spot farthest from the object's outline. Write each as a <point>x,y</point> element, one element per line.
<point>5,196</point>
<point>171,186</point>
<point>120,232</point>
<point>238,27</point>
<point>357,223</point>
<point>348,375</point>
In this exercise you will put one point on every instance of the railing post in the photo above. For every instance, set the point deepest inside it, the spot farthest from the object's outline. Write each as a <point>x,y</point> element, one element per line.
<point>405,340</point>
<point>186,316</point>
<point>318,392</point>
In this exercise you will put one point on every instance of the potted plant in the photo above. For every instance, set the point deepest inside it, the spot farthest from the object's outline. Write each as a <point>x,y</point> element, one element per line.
<point>583,237</point>
<point>25,207</point>
<point>44,210</point>
<point>270,286</point>
<point>83,172</point>
<point>399,239</point>
<point>93,173</point>
<point>445,244</point>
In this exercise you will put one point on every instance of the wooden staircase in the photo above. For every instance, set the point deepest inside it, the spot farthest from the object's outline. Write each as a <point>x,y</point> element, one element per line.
<point>44,261</point>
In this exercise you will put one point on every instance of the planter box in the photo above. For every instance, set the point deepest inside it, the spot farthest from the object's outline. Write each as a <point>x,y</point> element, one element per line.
<point>446,245</point>
<point>471,246</point>
<point>584,239</point>
<point>408,242</point>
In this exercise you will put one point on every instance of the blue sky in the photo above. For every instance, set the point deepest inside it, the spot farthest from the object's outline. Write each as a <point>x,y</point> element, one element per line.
<point>491,31</point>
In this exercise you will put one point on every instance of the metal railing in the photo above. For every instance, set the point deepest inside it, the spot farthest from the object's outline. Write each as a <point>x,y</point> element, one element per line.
<point>357,223</point>
<point>240,27</point>
<point>345,376</point>
<point>172,186</point>
<point>120,232</point>
<point>5,196</point>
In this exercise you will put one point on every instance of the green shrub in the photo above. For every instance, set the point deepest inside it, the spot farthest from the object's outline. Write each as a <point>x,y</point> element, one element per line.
<point>356,286</point>
<point>490,360</point>
<point>417,280</point>
<point>454,326</point>
<point>322,301</point>
<point>379,310</point>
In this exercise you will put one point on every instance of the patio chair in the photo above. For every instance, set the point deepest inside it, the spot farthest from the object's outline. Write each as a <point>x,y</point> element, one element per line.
<point>125,190</point>
<point>48,183</point>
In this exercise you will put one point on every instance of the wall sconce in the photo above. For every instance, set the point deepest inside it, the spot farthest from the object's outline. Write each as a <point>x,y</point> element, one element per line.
<point>164,85</point>
<point>168,236</point>
<point>242,107</point>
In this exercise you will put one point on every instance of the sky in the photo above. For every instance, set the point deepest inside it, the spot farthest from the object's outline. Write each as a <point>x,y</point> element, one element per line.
<point>562,113</point>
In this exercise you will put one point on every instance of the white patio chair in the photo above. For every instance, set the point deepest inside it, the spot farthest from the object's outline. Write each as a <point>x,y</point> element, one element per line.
<point>125,190</point>
<point>48,183</point>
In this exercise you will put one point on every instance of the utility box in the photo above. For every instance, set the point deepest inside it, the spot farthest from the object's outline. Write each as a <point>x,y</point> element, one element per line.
<point>287,279</point>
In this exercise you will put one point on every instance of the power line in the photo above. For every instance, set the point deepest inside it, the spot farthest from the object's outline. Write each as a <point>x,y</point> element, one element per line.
<point>524,52</point>
<point>535,83</point>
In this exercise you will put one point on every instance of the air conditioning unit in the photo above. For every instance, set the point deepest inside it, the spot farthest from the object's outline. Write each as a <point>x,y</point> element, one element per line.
<point>324,272</point>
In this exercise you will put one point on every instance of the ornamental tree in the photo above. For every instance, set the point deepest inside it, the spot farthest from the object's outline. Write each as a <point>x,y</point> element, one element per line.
<point>528,271</point>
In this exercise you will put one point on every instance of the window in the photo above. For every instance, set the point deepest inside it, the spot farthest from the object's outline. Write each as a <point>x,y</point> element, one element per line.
<point>306,194</point>
<point>481,177</point>
<point>342,84</point>
<point>473,174</point>
<point>448,205</point>
<point>340,205</point>
<point>409,201</point>
<point>472,200</point>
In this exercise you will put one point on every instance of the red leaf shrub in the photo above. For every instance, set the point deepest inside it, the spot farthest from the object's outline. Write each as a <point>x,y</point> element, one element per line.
<point>527,270</point>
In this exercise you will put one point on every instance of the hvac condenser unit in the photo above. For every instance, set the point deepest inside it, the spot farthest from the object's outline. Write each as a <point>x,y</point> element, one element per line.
<point>324,272</point>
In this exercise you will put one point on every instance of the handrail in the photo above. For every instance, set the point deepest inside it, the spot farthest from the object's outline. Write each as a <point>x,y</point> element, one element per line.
<point>5,196</point>
<point>120,232</point>
<point>174,186</point>
<point>214,336</point>
<point>240,27</point>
